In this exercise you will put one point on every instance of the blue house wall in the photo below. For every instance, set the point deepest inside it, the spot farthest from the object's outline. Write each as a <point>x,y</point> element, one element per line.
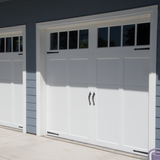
<point>30,12</point>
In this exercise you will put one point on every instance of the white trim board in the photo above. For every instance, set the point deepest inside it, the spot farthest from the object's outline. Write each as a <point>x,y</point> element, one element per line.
<point>145,12</point>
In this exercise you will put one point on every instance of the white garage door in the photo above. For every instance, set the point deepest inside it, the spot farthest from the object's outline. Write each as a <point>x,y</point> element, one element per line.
<point>97,84</point>
<point>11,67</point>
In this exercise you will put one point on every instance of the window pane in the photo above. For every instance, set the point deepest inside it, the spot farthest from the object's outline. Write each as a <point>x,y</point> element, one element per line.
<point>21,43</point>
<point>54,41</point>
<point>1,44</point>
<point>103,37</point>
<point>143,34</point>
<point>73,39</point>
<point>83,38</point>
<point>63,40</point>
<point>15,44</point>
<point>115,36</point>
<point>128,35</point>
<point>8,44</point>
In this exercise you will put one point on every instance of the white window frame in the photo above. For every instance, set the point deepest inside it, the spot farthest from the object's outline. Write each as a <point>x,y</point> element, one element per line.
<point>151,11</point>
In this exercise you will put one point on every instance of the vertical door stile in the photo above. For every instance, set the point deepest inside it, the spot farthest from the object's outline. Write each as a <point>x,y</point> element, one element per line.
<point>92,79</point>
<point>121,98</point>
<point>12,87</point>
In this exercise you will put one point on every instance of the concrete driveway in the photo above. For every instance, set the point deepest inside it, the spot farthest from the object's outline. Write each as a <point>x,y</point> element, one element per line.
<point>18,146</point>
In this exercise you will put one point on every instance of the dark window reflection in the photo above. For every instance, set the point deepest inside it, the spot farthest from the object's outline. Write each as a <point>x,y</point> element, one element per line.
<point>8,44</point>
<point>115,36</point>
<point>54,41</point>
<point>143,34</point>
<point>21,43</point>
<point>73,39</point>
<point>103,37</point>
<point>128,35</point>
<point>15,44</point>
<point>83,38</point>
<point>63,40</point>
<point>1,44</point>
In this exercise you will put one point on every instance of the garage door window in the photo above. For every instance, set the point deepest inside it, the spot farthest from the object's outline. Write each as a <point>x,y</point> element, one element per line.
<point>1,44</point>
<point>63,40</point>
<point>128,35</point>
<point>83,38</point>
<point>73,39</point>
<point>8,44</point>
<point>54,41</point>
<point>115,36</point>
<point>76,40</point>
<point>143,34</point>
<point>128,32</point>
<point>11,44</point>
<point>103,37</point>
<point>21,44</point>
<point>15,44</point>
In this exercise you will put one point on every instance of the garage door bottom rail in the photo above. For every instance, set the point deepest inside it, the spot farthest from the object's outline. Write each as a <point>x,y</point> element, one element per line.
<point>55,136</point>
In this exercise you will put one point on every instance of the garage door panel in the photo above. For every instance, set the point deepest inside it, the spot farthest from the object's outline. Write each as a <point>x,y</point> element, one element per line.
<point>57,109</point>
<point>107,110</point>
<point>6,94</point>
<point>6,102</point>
<point>79,124</point>
<point>18,69</point>
<point>18,116</point>
<point>18,103</point>
<point>5,114</point>
<point>57,70</point>
<point>5,70</point>
<point>57,98</point>
<point>136,71</point>
<point>57,121</point>
<point>107,71</point>
<point>79,112</point>
<point>78,70</point>
<point>135,122</point>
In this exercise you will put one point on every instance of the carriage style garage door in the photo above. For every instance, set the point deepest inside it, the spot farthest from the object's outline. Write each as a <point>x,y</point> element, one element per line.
<point>11,67</point>
<point>97,83</point>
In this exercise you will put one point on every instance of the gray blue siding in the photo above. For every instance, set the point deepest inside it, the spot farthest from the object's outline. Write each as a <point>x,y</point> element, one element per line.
<point>30,12</point>
<point>31,103</point>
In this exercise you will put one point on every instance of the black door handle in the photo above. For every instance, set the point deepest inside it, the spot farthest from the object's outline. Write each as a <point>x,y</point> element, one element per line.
<point>93,98</point>
<point>89,96</point>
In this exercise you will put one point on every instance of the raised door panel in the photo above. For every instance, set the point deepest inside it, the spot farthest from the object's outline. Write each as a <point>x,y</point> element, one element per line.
<point>107,71</point>
<point>18,89</point>
<point>107,103</point>
<point>56,97</point>
<point>136,71</point>
<point>135,119</point>
<point>6,108</point>
<point>107,115</point>
<point>79,113</point>
<point>79,120</point>
<point>135,109</point>
<point>57,110</point>
<point>11,89</point>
